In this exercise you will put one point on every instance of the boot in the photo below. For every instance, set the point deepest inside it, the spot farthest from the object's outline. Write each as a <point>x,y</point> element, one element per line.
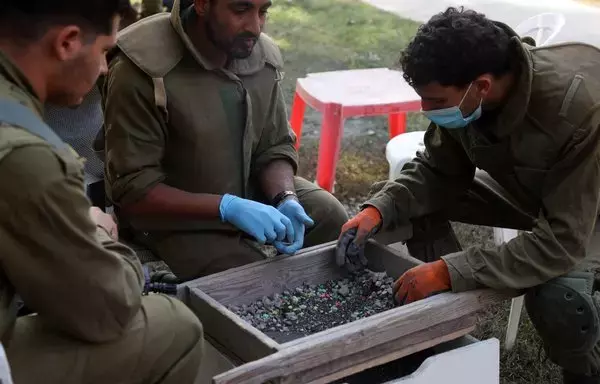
<point>574,378</point>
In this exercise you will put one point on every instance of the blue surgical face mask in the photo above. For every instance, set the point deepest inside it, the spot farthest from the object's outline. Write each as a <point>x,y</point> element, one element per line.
<point>452,118</point>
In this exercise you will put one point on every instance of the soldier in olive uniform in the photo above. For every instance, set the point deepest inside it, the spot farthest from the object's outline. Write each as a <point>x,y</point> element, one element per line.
<point>200,160</point>
<point>528,119</point>
<point>60,255</point>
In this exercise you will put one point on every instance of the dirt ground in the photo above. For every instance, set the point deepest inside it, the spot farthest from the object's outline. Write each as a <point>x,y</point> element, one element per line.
<point>321,35</point>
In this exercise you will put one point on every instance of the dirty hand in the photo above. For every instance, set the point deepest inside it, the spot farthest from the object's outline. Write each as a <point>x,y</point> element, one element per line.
<point>104,221</point>
<point>350,250</point>
<point>292,209</point>
<point>263,222</point>
<point>422,281</point>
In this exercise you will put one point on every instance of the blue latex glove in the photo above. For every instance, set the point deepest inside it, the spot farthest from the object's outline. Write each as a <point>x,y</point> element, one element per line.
<point>300,220</point>
<point>263,222</point>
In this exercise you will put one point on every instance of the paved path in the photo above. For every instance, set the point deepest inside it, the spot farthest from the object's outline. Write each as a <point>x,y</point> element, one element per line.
<point>582,21</point>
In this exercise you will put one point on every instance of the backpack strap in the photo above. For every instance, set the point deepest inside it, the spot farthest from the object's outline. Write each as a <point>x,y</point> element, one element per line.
<point>160,96</point>
<point>16,114</point>
<point>16,118</point>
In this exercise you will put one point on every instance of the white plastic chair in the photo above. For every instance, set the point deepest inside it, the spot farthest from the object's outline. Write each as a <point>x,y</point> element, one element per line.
<point>543,28</point>
<point>401,149</point>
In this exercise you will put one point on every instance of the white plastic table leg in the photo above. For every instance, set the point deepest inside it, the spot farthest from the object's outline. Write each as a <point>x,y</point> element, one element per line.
<point>502,235</point>
<point>516,307</point>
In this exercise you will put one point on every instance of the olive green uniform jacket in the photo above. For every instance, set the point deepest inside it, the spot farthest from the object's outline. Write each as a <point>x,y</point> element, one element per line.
<point>91,324</point>
<point>172,117</point>
<point>542,147</point>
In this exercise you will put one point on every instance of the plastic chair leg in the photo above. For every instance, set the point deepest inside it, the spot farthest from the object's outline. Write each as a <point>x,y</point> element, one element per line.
<point>516,307</point>
<point>397,123</point>
<point>503,235</point>
<point>297,117</point>
<point>329,148</point>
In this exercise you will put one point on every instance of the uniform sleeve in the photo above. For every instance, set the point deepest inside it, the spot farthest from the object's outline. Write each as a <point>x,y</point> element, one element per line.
<point>561,233</point>
<point>135,133</point>
<point>63,266</point>
<point>278,140</point>
<point>426,184</point>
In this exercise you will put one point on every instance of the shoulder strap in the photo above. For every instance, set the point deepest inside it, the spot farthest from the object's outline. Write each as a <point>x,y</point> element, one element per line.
<point>160,96</point>
<point>14,113</point>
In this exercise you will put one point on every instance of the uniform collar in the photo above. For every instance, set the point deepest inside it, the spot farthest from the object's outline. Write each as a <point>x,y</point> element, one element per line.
<point>514,109</point>
<point>19,84</point>
<point>177,15</point>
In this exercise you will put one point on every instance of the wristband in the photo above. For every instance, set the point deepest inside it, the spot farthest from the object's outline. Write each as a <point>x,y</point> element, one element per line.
<point>282,196</point>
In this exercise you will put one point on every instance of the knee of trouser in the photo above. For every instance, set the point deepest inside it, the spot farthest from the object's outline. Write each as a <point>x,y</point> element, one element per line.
<point>174,326</point>
<point>565,312</point>
<point>327,212</point>
<point>430,228</point>
<point>433,237</point>
<point>189,328</point>
<point>576,378</point>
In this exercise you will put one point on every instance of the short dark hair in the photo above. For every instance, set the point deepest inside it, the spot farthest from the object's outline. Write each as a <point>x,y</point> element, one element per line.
<point>455,47</point>
<point>31,19</point>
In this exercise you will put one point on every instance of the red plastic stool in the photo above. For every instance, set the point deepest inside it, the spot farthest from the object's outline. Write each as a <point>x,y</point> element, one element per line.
<point>339,95</point>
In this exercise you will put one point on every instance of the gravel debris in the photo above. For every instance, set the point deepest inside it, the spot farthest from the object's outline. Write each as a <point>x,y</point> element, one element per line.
<point>313,308</point>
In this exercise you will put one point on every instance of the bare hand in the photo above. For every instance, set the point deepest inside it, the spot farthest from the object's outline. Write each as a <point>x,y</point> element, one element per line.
<point>105,221</point>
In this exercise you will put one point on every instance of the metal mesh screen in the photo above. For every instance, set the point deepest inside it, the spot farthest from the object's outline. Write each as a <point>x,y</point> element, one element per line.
<point>78,128</point>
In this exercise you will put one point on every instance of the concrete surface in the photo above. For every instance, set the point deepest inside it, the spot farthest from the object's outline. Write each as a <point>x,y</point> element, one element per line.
<point>581,20</point>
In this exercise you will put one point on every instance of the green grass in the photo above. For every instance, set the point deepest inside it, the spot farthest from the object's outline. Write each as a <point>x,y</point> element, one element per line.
<point>321,35</point>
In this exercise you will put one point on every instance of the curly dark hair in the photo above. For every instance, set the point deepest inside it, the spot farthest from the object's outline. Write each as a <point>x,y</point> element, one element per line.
<point>454,48</point>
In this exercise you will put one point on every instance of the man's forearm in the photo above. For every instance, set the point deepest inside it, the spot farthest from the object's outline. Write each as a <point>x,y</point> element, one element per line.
<point>277,177</point>
<point>163,200</point>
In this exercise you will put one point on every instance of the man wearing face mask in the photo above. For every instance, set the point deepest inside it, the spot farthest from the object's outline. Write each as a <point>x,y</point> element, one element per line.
<point>200,159</point>
<point>528,120</point>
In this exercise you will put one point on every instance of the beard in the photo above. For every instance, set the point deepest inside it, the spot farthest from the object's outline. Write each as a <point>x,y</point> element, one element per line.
<point>73,82</point>
<point>239,47</point>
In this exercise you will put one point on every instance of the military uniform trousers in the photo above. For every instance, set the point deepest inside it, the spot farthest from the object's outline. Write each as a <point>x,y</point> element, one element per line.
<point>163,344</point>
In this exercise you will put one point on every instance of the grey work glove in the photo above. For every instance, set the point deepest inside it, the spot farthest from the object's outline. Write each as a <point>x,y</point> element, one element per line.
<point>355,233</point>
<point>348,253</point>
